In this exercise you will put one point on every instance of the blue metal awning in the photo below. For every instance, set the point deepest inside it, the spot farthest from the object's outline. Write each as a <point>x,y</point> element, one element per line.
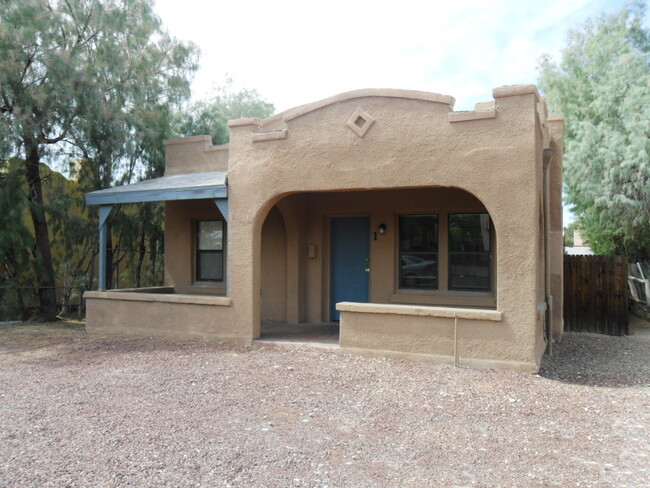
<point>190,186</point>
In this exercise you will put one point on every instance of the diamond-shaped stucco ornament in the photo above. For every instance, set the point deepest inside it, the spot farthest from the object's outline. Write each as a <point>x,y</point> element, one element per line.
<point>360,122</point>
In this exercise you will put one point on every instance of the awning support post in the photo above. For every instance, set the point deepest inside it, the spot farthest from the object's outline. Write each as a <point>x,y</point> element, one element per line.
<point>104,211</point>
<point>222,205</point>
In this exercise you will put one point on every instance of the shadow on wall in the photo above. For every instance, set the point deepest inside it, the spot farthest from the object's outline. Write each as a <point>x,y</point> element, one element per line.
<point>599,360</point>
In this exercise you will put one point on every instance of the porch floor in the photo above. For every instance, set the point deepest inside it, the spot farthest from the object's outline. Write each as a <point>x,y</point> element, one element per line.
<point>317,335</point>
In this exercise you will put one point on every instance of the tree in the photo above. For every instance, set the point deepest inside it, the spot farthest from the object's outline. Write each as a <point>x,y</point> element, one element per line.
<point>211,116</point>
<point>602,86</point>
<point>88,72</point>
<point>15,238</point>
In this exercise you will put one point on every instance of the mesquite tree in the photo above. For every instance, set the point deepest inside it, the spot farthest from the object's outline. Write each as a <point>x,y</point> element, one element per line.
<point>83,78</point>
<point>602,86</point>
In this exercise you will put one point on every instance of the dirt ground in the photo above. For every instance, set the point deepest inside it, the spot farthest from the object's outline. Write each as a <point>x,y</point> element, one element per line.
<point>80,411</point>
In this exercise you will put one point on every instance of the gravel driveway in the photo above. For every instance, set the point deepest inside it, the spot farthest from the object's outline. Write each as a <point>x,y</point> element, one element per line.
<point>77,411</point>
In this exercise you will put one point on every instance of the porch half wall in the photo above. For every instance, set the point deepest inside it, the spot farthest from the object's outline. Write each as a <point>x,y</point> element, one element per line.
<point>166,314</point>
<point>460,336</point>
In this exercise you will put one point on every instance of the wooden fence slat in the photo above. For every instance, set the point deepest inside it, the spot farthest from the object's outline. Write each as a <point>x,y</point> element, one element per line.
<point>595,294</point>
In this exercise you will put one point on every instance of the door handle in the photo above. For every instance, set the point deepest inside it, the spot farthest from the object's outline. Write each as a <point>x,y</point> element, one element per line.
<point>367,270</point>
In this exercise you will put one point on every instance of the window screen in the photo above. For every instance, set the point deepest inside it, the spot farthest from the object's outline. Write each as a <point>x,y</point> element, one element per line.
<point>418,252</point>
<point>470,253</point>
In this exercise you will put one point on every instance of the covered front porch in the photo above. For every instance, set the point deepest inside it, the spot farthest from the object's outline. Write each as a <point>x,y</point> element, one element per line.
<point>428,246</point>
<point>401,272</point>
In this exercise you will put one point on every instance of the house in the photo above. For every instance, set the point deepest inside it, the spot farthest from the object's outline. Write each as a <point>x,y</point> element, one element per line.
<point>425,233</point>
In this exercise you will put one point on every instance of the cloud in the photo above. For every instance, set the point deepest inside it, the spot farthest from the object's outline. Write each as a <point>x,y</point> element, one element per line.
<point>295,52</point>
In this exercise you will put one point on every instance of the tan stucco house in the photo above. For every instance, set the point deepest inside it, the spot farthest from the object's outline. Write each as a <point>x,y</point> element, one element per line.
<point>423,232</point>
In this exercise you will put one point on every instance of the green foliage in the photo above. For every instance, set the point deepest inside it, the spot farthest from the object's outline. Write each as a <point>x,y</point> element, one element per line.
<point>93,80</point>
<point>16,240</point>
<point>97,83</point>
<point>568,233</point>
<point>602,86</point>
<point>210,117</point>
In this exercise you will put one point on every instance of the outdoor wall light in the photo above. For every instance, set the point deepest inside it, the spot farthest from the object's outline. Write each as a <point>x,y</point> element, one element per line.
<point>382,229</point>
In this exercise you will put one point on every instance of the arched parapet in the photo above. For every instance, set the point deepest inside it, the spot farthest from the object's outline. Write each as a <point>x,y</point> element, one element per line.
<point>278,122</point>
<point>373,139</point>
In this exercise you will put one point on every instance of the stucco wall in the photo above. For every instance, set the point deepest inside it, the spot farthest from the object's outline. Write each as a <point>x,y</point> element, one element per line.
<point>194,154</point>
<point>556,127</point>
<point>466,337</point>
<point>180,244</point>
<point>274,268</point>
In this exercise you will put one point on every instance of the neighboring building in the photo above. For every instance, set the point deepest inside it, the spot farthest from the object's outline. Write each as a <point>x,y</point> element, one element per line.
<point>579,248</point>
<point>427,233</point>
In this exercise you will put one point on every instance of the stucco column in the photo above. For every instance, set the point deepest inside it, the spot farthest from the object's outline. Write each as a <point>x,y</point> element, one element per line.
<point>556,126</point>
<point>294,247</point>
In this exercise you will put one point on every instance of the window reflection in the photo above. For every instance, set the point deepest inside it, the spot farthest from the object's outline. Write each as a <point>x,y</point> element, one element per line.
<point>209,250</point>
<point>469,252</point>
<point>418,241</point>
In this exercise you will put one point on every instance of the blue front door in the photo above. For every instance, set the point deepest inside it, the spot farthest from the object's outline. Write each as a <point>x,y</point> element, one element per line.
<point>350,261</point>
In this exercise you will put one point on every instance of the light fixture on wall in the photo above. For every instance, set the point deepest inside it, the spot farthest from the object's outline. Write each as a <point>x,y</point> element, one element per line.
<point>382,229</point>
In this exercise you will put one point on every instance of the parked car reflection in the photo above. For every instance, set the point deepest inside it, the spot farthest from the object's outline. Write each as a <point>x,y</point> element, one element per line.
<point>419,271</point>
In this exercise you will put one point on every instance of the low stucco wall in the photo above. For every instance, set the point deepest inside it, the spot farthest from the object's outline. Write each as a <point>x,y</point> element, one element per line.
<point>467,337</point>
<point>206,318</point>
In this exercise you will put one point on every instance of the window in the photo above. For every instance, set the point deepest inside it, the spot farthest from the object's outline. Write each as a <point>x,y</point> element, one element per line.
<point>469,252</point>
<point>418,252</point>
<point>209,250</point>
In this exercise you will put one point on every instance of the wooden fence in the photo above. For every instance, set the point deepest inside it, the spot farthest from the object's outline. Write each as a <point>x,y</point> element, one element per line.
<point>595,294</point>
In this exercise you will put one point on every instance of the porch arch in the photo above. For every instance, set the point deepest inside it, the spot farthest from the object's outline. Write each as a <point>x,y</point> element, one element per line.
<point>305,218</point>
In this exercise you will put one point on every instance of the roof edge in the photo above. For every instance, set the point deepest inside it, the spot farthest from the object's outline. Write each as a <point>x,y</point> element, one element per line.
<point>515,90</point>
<point>188,140</point>
<point>301,110</point>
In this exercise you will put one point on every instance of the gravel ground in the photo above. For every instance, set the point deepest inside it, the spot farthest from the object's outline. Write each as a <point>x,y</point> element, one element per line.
<point>79,411</point>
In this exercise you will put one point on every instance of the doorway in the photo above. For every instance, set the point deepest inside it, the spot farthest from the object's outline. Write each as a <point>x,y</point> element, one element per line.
<point>350,261</point>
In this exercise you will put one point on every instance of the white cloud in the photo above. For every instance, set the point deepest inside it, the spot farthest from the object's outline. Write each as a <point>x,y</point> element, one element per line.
<point>296,51</point>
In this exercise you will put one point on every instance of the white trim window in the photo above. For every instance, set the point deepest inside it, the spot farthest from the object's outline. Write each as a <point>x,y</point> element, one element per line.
<point>209,250</point>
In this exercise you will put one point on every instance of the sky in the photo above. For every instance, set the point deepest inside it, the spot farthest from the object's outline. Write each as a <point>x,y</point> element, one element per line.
<point>299,51</point>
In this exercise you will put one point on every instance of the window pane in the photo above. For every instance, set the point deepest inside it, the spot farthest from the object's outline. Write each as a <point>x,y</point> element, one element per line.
<point>418,252</point>
<point>210,235</point>
<point>419,271</point>
<point>210,266</point>
<point>418,233</point>
<point>469,271</point>
<point>469,232</point>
